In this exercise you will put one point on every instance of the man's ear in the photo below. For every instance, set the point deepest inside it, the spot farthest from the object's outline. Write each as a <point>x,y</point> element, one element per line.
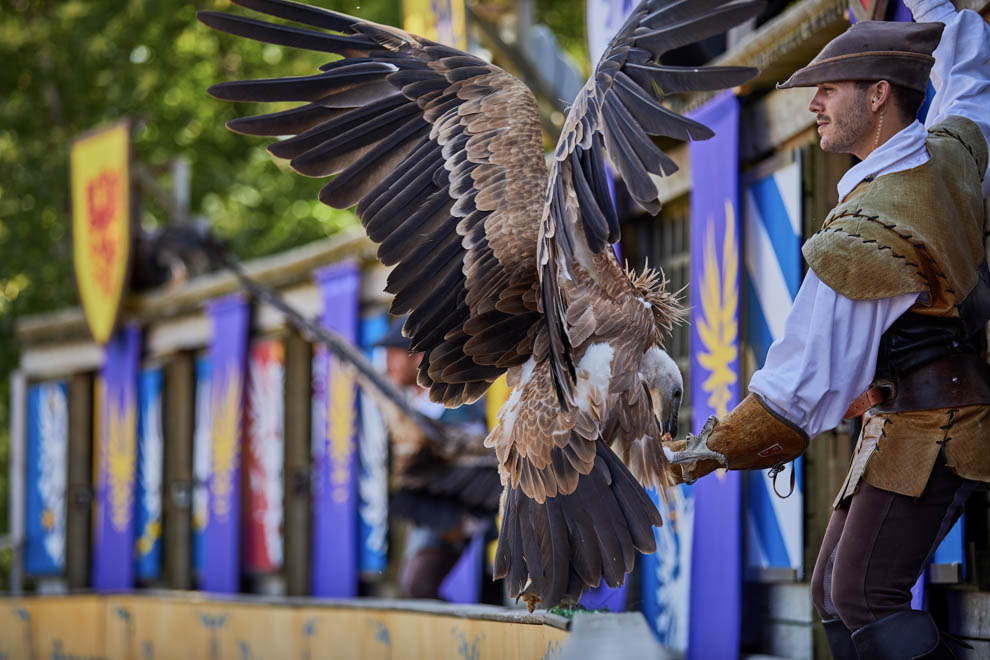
<point>879,95</point>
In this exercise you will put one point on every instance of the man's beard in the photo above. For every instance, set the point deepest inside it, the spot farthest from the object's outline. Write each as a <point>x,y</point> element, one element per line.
<point>845,132</point>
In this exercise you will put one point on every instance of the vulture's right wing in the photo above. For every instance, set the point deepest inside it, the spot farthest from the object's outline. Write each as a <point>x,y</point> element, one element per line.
<point>442,153</point>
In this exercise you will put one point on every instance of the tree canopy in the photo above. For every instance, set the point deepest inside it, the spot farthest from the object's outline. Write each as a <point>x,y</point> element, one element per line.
<point>72,65</point>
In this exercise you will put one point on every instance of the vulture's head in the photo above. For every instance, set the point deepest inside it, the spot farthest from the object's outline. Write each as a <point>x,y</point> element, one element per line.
<point>663,380</point>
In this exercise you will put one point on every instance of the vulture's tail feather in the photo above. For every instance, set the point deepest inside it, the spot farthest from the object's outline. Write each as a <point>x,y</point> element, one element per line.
<point>572,542</point>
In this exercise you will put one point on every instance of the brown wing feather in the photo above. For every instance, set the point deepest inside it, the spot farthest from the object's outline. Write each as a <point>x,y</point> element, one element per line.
<point>429,143</point>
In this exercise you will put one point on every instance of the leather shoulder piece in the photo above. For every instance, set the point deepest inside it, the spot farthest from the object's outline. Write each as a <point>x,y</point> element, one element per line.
<point>863,257</point>
<point>966,133</point>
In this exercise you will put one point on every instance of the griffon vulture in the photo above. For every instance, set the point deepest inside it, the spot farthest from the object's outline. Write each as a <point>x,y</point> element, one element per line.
<point>503,265</point>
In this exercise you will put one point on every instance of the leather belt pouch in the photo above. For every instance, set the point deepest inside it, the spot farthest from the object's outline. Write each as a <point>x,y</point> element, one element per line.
<point>951,382</point>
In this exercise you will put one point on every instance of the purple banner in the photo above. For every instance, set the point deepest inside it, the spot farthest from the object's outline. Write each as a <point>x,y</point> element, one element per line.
<point>716,561</point>
<point>604,597</point>
<point>116,437</point>
<point>335,467</point>
<point>463,583</point>
<point>228,358</point>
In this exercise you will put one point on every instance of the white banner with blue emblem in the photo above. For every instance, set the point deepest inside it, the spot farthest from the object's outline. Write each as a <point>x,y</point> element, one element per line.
<point>772,255</point>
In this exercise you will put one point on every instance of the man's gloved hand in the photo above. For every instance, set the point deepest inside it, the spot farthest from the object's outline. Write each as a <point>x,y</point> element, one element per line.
<point>691,458</point>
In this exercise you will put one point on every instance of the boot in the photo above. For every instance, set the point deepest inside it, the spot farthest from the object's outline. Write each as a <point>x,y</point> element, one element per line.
<point>839,638</point>
<point>909,635</point>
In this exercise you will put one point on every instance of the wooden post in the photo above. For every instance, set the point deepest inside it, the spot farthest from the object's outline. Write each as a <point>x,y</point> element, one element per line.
<point>17,477</point>
<point>79,491</point>
<point>178,422</point>
<point>827,458</point>
<point>297,499</point>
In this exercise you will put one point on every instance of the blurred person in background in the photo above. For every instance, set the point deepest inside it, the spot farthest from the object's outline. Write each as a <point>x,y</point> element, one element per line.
<point>448,491</point>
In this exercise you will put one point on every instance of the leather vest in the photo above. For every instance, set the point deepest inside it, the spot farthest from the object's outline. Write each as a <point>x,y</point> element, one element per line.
<point>920,231</point>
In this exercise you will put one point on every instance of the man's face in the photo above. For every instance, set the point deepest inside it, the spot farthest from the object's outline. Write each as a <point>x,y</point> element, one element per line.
<point>843,114</point>
<point>402,366</point>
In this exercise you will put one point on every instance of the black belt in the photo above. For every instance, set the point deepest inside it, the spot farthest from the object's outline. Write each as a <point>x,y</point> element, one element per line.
<point>950,382</point>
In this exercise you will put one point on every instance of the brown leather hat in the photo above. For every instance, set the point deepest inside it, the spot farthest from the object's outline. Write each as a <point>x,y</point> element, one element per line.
<point>900,53</point>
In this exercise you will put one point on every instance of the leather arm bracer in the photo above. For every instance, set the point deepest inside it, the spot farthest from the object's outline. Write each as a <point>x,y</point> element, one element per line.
<point>751,437</point>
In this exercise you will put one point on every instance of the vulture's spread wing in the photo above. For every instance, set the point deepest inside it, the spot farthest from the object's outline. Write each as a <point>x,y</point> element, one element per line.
<point>443,155</point>
<point>616,112</point>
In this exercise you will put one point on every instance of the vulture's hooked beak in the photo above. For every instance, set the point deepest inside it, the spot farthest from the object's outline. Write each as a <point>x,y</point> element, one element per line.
<point>669,424</point>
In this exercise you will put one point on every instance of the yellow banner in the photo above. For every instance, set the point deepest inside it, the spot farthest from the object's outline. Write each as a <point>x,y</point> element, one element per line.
<point>101,223</point>
<point>442,21</point>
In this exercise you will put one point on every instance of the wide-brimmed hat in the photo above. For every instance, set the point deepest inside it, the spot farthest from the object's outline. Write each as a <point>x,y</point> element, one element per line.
<point>900,53</point>
<point>393,336</point>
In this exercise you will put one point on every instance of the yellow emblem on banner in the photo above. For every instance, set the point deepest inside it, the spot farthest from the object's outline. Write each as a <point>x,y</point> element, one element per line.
<point>101,223</point>
<point>442,21</point>
<point>121,448</point>
<point>719,325</point>
<point>341,420</point>
<point>225,442</point>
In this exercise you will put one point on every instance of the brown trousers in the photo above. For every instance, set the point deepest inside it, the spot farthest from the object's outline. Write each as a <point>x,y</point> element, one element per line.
<point>878,543</point>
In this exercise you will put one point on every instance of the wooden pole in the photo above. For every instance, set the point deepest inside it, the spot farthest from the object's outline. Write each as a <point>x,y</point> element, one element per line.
<point>297,497</point>
<point>79,481</point>
<point>178,424</point>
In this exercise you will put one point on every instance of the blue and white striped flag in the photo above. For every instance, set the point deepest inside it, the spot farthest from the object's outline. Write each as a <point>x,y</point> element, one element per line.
<point>772,249</point>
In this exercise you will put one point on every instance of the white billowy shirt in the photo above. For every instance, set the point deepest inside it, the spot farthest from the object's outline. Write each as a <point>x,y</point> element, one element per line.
<point>828,352</point>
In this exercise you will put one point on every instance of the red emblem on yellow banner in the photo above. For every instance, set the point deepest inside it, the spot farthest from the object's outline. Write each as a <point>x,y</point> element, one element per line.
<point>101,223</point>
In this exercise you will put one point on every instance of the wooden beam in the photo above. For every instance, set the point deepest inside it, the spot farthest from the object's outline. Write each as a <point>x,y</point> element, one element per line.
<point>79,481</point>
<point>773,120</point>
<point>298,440</point>
<point>778,48</point>
<point>178,427</point>
<point>43,362</point>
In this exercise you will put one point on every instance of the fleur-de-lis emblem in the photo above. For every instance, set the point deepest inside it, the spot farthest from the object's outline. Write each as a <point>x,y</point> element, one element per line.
<point>718,327</point>
<point>226,431</point>
<point>120,453</point>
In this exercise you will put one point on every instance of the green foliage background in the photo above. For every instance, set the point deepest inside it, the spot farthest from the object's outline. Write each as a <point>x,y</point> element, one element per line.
<point>67,66</point>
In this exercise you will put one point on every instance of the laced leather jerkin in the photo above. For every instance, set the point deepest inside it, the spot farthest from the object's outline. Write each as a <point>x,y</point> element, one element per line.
<point>919,231</point>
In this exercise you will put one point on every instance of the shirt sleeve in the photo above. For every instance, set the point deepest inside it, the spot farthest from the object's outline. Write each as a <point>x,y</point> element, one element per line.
<point>961,74</point>
<point>827,355</point>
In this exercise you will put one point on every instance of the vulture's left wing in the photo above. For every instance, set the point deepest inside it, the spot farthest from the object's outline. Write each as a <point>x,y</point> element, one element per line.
<point>617,112</point>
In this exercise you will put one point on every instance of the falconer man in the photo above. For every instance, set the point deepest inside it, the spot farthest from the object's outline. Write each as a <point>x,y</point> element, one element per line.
<point>890,318</point>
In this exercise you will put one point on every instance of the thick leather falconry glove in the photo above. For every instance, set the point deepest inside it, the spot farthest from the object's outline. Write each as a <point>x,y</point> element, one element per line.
<point>750,437</point>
